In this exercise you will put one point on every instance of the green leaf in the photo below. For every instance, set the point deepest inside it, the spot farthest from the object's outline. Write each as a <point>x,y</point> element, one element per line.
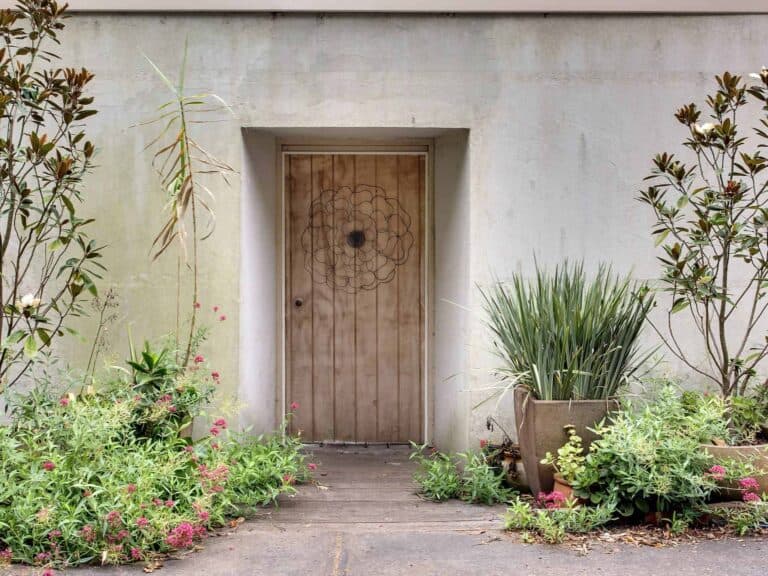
<point>680,304</point>
<point>30,347</point>
<point>661,237</point>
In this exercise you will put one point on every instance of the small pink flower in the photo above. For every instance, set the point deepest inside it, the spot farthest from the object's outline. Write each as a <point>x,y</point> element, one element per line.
<point>189,448</point>
<point>64,401</point>
<point>88,533</point>
<point>551,500</point>
<point>751,497</point>
<point>312,466</point>
<point>42,557</point>
<point>294,406</point>
<point>87,493</point>
<point>215,308</point>
<point>749,484</point>
<point>182,536</point>
<point>289,479</point>
<point>199,359</point>
<point>197,305</point>
<point>170,503</point>
<point>49,466</point>
<point>717,472</point>
<point>6,556</point>
<point>483,443</point>
<point>215,375</point>
<point>221,423</point>
<point>172,409</point>
<point>114,518</point>
<point>48,572</point>
<point>157,502</point>
<point>135,554</point>
<point>131,488</point>
<point>222,317</point>
<point>214,445</point>
<point>122,535</point>
<point>214,431</point>
<point>203,516</point>
<point>54,534</point>
<point>142,522</point>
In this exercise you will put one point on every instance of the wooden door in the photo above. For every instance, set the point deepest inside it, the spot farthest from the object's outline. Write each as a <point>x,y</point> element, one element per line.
<point>355,296</point>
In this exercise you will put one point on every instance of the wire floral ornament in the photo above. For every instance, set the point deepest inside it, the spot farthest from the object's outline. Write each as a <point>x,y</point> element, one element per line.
<point>356,238</point>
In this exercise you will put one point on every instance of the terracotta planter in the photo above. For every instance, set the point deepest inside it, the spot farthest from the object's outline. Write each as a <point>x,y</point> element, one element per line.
<point>563,487</point>
<point>757,454</point>
<point>540,429</point>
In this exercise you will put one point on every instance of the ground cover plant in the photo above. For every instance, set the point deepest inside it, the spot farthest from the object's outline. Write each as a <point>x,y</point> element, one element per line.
<point>468,476</point>
<point>83,478</point>
<point>649,458</point>
<point>647,468</point>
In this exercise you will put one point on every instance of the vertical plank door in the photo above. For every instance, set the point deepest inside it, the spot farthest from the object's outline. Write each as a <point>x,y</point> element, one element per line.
<point>355,296</point>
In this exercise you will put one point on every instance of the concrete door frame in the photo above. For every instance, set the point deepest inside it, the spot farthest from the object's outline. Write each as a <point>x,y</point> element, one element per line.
<point>261,304</point>
<point>419,147</point>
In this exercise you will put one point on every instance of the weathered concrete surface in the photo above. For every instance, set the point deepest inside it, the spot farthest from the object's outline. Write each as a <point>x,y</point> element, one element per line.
<point>365,520</point>
<point>564,114</point>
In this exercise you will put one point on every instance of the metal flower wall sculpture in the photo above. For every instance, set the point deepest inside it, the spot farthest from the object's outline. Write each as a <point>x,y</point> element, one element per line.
<point>356,238</point>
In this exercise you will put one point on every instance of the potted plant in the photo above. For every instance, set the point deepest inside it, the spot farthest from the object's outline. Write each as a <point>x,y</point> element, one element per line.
<point>711,219</point>
<point>567,344</point>
<point>568,463</point>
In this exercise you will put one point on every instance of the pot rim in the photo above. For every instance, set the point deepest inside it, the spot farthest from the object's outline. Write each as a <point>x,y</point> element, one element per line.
<point>559,478</point>
<point>739,447</point>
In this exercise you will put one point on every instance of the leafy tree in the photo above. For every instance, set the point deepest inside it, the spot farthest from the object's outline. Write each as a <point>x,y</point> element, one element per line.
<point>712,223</point>
<point>47,260</point>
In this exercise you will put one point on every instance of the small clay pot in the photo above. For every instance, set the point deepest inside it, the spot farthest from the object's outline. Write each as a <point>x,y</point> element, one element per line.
<point>563,487</point>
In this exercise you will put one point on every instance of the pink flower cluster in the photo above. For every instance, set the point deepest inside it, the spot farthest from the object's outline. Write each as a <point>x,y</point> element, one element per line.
<point>6,556</point>
<point>751,488</point>
<point>166,400</point>
<point>213,479</point>
<point>183,536</point>
<point>114,519</point>
<point>717,472</point>
<point>88,533</point>
<point>551,500</point>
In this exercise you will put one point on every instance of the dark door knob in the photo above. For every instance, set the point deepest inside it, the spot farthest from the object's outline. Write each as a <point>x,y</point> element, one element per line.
<point>298,302</point>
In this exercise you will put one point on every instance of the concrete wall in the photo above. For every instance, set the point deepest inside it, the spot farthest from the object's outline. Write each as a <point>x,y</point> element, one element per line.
<point>564,114</point>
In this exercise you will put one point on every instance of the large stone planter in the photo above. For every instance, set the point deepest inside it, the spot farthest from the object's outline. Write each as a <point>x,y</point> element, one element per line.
<point>757,454</point>
<point>540,429</point>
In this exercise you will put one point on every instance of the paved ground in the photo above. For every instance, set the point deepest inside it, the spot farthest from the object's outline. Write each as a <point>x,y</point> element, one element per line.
<point>364,520</point>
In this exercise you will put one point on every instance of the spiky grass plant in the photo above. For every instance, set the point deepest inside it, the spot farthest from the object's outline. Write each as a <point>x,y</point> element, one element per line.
<point>566,336</point>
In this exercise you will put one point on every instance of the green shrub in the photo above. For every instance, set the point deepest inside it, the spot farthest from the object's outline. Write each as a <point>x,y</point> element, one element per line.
<point>437,476</point>
<point>553,524</point>
<point>439,479</point>
<point>650,459</point>
<point>80,483</point>
<point>261,468</point>
<point>749,519</point>
<point>566,336</point>
<point>480,482</point>
<point>569,462</point>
